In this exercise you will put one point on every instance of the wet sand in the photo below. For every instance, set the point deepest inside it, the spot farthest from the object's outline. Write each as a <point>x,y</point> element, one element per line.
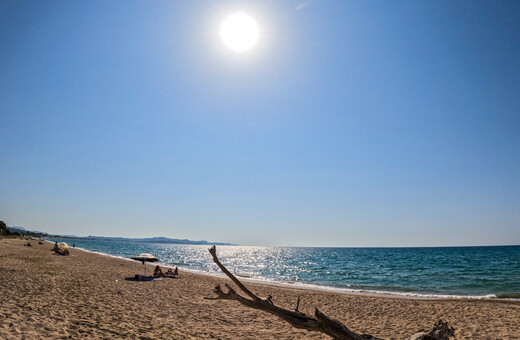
<point>85,295</point>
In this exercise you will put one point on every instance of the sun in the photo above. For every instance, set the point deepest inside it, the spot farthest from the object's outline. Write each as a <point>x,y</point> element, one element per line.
<point>239,32</point>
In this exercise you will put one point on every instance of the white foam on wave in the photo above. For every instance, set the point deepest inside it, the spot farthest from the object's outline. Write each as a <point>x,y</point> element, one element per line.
<point>309,286</point>
<point>99,253</point>
<point>365,292</point>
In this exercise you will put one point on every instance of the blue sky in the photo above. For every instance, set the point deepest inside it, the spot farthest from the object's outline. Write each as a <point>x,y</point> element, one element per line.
<point>350,123</point>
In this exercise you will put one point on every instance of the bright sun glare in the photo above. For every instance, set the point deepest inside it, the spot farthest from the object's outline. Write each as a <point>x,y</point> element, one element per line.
<point>239,32</point>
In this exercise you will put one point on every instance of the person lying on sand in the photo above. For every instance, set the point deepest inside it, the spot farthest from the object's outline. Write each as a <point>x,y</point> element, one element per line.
<point>172,273</point>
<point>139,277</point>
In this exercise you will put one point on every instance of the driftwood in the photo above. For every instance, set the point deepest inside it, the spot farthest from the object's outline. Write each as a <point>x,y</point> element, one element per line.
<point>319,322</point>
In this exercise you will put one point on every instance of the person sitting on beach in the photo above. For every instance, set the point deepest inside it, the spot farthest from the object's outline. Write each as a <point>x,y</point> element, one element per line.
<point>55,249</point>
<point>157,272</point>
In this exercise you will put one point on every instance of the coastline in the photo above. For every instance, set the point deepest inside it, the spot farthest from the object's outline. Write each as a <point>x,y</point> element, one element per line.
<point>86,295</point>
<point>327,287</point>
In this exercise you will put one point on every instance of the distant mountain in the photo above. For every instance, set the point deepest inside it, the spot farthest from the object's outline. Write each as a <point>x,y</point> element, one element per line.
<point>23,231</point>
<point>155,240</point>
<point>15,229</point>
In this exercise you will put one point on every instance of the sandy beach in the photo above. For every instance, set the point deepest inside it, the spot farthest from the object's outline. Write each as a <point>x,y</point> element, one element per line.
<point>85,295</point>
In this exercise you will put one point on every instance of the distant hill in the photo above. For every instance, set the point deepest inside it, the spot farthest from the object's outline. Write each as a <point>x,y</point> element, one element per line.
<point>15,229</point>
<point>23,231</point>
<point>154,240</point>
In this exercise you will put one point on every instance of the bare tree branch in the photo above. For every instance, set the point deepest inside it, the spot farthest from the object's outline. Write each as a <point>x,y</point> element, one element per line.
<point>320,322</point>
<point>213,252</point>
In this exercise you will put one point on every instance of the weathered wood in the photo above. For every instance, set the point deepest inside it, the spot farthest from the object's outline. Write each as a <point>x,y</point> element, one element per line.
<point>320,322</point>
<point>213,252</point>
<point>441,331</point>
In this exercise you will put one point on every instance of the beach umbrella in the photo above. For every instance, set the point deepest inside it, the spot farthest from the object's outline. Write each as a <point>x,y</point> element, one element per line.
<point>63,245</point>
<point>144,257</point>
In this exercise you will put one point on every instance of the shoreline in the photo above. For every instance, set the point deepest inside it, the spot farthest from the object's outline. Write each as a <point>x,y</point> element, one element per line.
<point>340,290</point>
<point>86,295</point>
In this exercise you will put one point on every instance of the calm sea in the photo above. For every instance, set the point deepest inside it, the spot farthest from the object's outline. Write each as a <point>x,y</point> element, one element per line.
<point>422,272</point>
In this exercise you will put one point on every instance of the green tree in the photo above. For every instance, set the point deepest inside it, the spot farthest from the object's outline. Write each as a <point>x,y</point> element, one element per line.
<point>3,228</point>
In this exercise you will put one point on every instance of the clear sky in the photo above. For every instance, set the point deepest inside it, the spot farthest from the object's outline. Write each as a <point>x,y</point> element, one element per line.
<point>349,123</point>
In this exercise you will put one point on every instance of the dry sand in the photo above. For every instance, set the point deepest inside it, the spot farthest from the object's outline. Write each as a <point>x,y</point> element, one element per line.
<point>46,296</point>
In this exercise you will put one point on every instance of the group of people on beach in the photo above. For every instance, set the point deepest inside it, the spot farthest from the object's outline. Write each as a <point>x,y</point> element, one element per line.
<point>158,274</point>
<point>169,273</point>
<point>59,251</point>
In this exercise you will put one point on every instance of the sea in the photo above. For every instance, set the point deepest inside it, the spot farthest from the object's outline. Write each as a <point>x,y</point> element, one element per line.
<point>440,272</point>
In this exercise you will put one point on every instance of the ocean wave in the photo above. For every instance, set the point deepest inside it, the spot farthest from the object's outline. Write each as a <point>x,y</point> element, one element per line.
<point>320,269</point>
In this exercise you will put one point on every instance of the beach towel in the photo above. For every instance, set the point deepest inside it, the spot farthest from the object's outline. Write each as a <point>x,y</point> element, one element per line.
<point>147,278</point>
<point>171,275</point>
